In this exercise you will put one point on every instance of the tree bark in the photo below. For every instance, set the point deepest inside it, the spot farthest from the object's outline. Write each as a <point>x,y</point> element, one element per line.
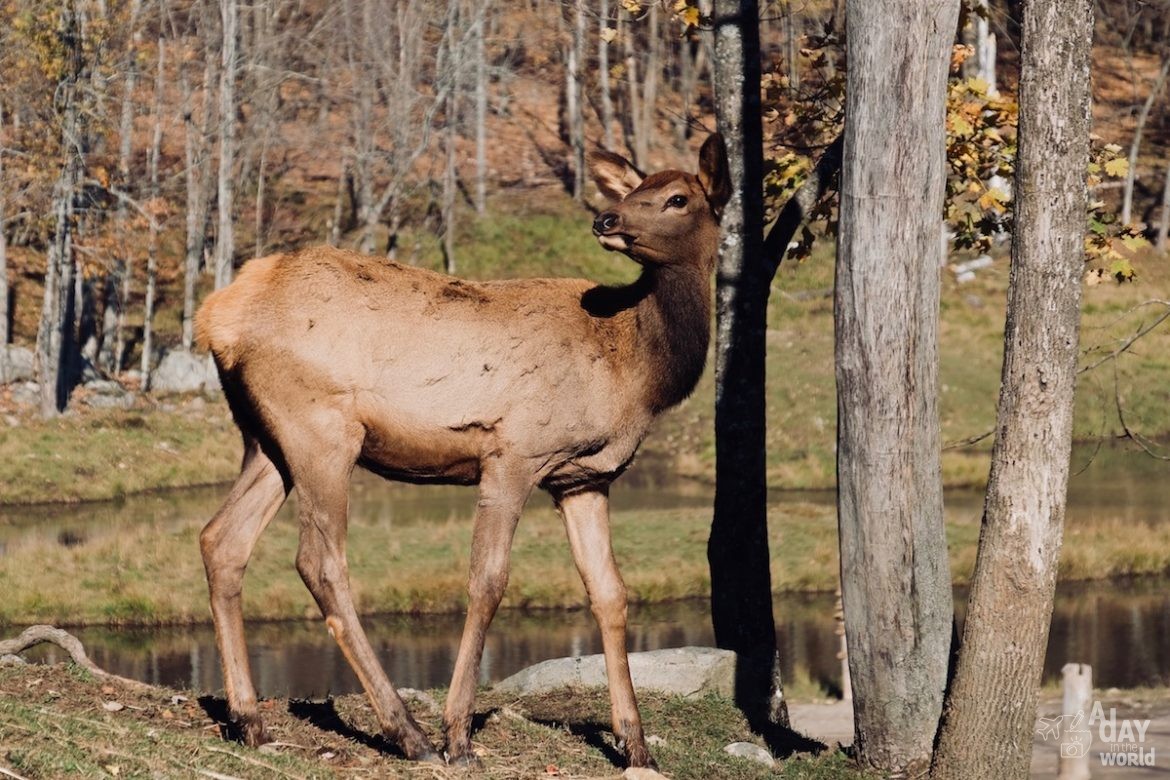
<point>1163,220</point>
<point>737,551</point>
<point>225,232</point>
<point>152,240</point>
<point>573,98</point>
<point>481,84</point>
<point>991,706</point>
<point>57,330</point>
<point>603,76</point>
<point>894,571</point>
<point>198,179</point>
<point>5,315</point>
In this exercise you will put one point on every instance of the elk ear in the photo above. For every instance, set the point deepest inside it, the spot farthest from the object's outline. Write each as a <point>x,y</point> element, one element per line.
<point>713,173</point>
<point>615,176</point>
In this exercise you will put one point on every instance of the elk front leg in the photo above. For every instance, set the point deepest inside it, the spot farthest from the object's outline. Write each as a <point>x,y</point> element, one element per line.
<point>321,561</point>
<point>227,543</point>
<point>586,518</point>
<point>501,499</point>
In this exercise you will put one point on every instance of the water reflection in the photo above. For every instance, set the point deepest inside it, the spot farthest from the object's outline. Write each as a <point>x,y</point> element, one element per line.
<point>1122,629</point>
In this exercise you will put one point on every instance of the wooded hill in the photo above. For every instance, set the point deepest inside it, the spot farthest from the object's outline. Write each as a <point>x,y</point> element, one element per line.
<point>149,147</point>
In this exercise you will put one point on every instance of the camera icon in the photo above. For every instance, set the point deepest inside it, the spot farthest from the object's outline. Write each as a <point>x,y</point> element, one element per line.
<point>1074,750</point>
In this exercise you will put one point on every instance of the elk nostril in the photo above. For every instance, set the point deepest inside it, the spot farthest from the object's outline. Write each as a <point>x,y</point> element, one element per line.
<point>606,221</point>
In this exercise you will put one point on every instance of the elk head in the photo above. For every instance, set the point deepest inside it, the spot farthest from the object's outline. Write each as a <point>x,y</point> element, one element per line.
<point>661,219</point>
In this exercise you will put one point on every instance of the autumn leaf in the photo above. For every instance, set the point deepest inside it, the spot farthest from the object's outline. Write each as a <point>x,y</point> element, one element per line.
<point>608,35</point>
<point>1117,167</point>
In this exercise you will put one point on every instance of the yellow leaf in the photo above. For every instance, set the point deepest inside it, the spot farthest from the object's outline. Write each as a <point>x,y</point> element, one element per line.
<point>690,17</point>
<point>1119,166</point>
<point>978,85</point>
<point>608,34</point>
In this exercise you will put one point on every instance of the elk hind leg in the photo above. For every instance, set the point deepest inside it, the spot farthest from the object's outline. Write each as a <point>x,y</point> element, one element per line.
<point>322,490</point>
<point>227,543</point>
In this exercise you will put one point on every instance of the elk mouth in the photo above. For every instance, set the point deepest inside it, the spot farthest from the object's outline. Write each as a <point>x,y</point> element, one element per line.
<point>616,242</point>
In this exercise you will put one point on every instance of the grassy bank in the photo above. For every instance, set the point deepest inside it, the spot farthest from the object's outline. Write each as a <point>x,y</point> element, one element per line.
<point>148,570</point>
<point>94,454</point>
<point>57,722</point>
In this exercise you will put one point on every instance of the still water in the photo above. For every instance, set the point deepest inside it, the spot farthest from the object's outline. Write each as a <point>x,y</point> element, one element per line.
<point>1121,628</point>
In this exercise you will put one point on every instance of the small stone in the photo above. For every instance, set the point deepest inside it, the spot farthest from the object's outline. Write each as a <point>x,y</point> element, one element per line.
<point>113,706</point>
<point>655,740</point>
<point>751,752</point>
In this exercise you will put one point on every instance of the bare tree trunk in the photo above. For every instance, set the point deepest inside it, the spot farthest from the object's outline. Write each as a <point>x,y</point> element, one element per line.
<point>114,317</point>
<point>991,706</point>
<point>152,241</point>
<point>448,69</point>
<point>335,225</point>
<point>895,577</point>
<point>198,176</point>
<point>649,102</point>
<point>1164,220</point>
<point>632,119</point>
<point>1135,145</point>
<point>741,591</point>
<point>5,315</point>
<point>225,232</point>
<point>573,98</point>
<point>792,44</point>
<point>480,110</point>
<point>57,330</point>
<point>603,75</point>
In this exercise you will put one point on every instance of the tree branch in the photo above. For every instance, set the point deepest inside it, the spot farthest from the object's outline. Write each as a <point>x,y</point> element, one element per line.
<point>800,205</point>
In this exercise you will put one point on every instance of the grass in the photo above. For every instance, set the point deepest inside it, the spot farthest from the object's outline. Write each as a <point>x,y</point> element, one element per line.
<point>147,569</point>
<point>55,722</point>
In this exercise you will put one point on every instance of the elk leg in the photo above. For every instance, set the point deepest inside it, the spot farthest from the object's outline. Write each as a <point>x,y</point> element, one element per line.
<point>501,500</point>
<point>323,496</point>
<point>227,543</point>
<point>586,518</point>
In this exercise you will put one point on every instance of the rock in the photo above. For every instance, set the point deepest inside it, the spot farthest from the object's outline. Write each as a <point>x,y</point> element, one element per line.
<point>184,372</point>
<point>26,393</point>
<point>751,752</point>
<point>106,394</point>
<point>686,671</point>
<point>16,364</point>
<point>642,773</point>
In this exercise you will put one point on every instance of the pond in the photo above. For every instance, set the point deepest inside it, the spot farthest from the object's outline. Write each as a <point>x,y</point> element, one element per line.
<point>1122,628</point>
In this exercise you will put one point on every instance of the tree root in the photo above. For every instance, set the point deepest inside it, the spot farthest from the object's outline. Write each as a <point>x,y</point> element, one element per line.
<point>35,635</point>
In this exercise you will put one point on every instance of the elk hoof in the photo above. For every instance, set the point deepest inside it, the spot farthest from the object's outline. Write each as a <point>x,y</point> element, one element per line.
<point>465,760</point>
<point>251,731</point>
<point>428,757</point>
<point>638,756</point>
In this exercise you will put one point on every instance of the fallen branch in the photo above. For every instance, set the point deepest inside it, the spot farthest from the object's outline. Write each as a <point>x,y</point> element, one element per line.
<point>36,635</point>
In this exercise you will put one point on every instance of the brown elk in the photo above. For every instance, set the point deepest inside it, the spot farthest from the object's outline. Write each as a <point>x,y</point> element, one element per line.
<point>330,359</point>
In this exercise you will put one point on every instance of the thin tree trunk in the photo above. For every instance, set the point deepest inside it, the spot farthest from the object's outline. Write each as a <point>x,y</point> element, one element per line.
<point>57,330</point>
<point>737,551</point>
<point>603,76</point>
<point>895,577</point>
<point>573,98</point>
<point>1164,220</point>
<point>649,102</point>
<point>480,110</point>
<point>114,317</point>
<point>259,210</point>
<point>335,226</point>
<point>5,329</point>
<point>225,234</point>
<point>152,241</point>
<point>198,176</point>
<point>991,706</point>
<point>631,121</point>
<point>1136,144</point>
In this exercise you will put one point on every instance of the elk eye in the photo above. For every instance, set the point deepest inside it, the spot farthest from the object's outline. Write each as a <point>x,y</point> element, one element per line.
<point>677,201</point>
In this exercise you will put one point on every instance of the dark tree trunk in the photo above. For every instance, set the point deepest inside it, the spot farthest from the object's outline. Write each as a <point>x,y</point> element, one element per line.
<point>741,589</point>
<point>895,575</point>
<point>991,706</point>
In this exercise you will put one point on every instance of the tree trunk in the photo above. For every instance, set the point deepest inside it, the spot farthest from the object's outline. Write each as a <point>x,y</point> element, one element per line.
<point>895,575</point>
<point>573,98</point>
<point>1163,221</point>
<point>1136,144</point>
<point>649,99</point>
<point>632,118</point>
<point>152,241</point>
<point>603,76</point>
<point>113,346</point>
<point>481,80</point>
<point>991,706</point>
<point>57,330</point>
<point>225,233</point>
<point>5,328</point>
<point>737,551</point>
<point>198,176</point>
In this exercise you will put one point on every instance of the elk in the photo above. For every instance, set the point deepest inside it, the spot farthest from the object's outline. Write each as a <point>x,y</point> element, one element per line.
<point>329,359</point>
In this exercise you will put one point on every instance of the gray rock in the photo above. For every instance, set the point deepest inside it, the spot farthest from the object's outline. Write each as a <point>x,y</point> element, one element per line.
<point>16,364</point>
<point>184,372</point>
<point>685,671</point>
<point>26,393</point>
<point>106,394</point>
<point>751,752</point>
